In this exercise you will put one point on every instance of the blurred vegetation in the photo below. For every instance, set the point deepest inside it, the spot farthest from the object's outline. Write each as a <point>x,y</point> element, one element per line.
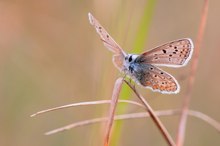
<point>140,40</point>
<point>51,55</point>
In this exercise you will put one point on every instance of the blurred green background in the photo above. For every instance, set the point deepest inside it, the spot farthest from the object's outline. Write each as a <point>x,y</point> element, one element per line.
<point>50,55</point>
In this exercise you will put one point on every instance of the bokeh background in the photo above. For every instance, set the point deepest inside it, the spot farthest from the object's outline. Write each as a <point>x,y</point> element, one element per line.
<point>50,56</point>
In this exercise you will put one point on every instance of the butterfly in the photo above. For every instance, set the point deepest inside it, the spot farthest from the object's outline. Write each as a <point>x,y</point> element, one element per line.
<point>142,68</point>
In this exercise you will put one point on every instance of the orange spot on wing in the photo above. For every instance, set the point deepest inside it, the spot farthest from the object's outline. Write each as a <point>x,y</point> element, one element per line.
<point>155,86</point>
<point>162,88</point>
<point>148,83</point>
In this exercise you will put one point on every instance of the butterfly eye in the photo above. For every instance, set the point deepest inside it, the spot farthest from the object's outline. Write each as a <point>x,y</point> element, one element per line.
<point>130,58</point>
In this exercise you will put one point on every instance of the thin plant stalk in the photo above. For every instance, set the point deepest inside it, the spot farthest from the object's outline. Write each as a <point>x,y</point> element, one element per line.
<point>185,108</point>
<point>113,104</point>
<point>152,114</point>
<point>169,112</point>
<point>97,102</point>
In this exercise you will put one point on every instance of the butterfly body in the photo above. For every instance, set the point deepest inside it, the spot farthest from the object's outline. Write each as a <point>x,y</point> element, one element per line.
<point>148,75</point>
<point>142,68</point>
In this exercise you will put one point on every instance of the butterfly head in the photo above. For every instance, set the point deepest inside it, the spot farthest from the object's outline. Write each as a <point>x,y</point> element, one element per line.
<point>130,58</point>
<point>129,61</point>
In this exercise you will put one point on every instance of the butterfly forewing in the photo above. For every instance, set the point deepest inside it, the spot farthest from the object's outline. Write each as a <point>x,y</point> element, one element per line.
<point>109,42</point>
<point>156,79</point>
<point>174,54</point>
<point>106,38</point>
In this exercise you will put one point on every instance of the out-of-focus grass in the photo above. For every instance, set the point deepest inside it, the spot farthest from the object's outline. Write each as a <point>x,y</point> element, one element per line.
<point>138,45</point>
<point>188,95</point>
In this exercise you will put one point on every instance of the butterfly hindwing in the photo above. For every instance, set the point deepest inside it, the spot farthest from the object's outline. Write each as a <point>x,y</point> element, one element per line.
<point>156,79</point>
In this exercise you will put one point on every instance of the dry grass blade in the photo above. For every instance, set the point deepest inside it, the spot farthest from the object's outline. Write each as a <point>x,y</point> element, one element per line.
<point>152,114</point>
<point>170,112</point>
<point>77,124</point>
<point>83,104</point>
<point>113,104</point>
<point>215,124</point>
<point>185,108</point>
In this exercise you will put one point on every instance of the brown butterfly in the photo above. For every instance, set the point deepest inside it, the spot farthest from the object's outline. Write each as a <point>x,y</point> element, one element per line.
<point>141,67</point>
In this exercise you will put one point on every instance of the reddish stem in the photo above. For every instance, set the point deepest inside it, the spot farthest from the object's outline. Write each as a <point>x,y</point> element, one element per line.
<point>185,108</point>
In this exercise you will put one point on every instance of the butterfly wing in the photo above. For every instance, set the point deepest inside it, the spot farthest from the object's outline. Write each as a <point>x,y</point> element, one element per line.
<point>156,79</point>
<point>109,42</point>
<point>173,54</point>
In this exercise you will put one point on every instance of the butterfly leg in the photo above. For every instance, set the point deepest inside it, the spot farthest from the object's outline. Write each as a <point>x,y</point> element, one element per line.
<point>132,84</point>
<point>124,76</point>
<point>130,80</point>
<point>134,87</point>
